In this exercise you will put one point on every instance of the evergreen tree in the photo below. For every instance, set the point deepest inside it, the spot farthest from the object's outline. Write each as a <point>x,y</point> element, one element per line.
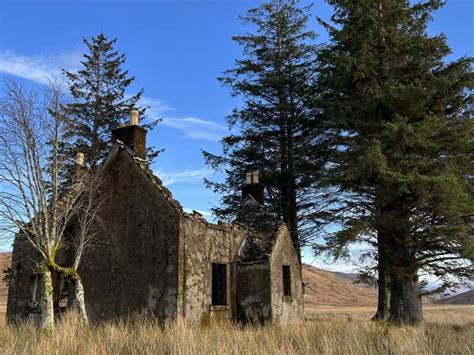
<point>276,134</point>
<point>99,101</point>
<point>400,118</point>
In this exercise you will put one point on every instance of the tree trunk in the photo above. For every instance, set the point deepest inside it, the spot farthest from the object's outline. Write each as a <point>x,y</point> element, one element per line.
<point>292,203</point>
<point>47,307</point>
<point>396,299</point>
<point>79,304</point>
<point>383,279</point>
<point>412,305</point>
<point>287,188</point>
<point>402,266</point>
<point>405,301</point>
<point>292,211</point>
<point>406,294</point>
<point>383,295</point>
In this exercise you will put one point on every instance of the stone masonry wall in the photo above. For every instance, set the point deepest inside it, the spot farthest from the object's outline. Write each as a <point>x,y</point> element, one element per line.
<point>286,309</point>
<point>201,244</point>
<point>253,292</point>
<point>134,266</point>
<point>20,288</point>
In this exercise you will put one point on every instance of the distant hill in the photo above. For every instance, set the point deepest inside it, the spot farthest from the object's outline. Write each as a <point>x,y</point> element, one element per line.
<point>326,289</point>
<point>4,263</point>
<point>462,298</point>
<point>351,277</point>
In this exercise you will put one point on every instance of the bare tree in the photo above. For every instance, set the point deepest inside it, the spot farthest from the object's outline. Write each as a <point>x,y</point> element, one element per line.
<point>33,203</point>
<point>86,221</point>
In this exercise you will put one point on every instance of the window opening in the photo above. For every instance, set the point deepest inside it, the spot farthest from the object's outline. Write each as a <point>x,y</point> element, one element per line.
<point>286,280</point>
<point>219,284</point>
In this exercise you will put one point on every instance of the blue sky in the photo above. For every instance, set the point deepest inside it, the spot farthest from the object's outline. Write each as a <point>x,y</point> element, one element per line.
<point>176,49</point>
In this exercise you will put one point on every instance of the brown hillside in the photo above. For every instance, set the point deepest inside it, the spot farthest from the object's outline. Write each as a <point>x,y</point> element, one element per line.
<point>4,263</point>
<point>463,298</point>
<point>326,289</point>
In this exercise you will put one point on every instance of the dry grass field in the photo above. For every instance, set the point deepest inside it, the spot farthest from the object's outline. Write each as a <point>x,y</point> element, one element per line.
<point>338,314</point>
<point>448,330</point>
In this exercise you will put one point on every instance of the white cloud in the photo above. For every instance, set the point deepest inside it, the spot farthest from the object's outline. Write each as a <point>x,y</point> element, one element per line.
<point>332,266</point>
<point>184,176</point>
<point>204,213</point>
<point>192,127</point>
<point>39,69</point>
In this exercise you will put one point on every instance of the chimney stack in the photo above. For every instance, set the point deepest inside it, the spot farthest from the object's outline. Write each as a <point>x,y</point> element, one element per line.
<point>256,177</point>
<point>81,169</point>
<point>80,160</point>
<point>253,187</point>
<point>248,178</point>
<point>134,117</point>
<point>132,135</point>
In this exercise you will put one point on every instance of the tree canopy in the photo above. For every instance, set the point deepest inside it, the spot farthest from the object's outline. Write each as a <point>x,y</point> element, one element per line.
<point>400,121</point>
<point>276,131</point>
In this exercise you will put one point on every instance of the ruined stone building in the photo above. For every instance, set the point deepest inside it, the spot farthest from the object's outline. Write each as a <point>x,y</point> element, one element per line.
<point>154,258</point>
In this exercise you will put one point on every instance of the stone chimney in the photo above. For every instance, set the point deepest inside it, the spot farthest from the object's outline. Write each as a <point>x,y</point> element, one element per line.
<point>132,135</point>
<point>79,160</point>
<point>81,169</point>
<point>253,187</point>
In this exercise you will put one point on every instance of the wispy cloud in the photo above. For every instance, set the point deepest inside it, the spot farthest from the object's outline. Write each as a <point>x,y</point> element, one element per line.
<point>184,176</point>
<point>42,68</point>
<point>39,69</point>
<point>196,128</point>
<point>156,108</point>
<point>192,127</point>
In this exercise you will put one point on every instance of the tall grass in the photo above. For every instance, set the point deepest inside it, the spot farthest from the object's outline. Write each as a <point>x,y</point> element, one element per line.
<point>448,331</point>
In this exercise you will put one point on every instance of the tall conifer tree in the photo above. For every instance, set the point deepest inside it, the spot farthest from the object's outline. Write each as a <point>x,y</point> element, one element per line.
<point>275,79</point>
<point>402,159</point>
<point>99,100</point>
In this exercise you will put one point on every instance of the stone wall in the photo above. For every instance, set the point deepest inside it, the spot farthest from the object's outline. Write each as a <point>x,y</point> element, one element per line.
<point>286,309</point>
<point>20,287</point>
<point>253,292</point>
<point>134,265</point>
<point>201,244</point>
<point>153,258</point>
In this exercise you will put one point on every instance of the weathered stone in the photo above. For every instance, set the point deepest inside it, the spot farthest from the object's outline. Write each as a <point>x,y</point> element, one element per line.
<point>154,258</point>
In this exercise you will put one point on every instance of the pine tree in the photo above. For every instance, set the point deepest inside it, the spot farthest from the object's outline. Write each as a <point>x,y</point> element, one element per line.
<point>401,122</point>
<point>275,123</point>
<point>99,101</point>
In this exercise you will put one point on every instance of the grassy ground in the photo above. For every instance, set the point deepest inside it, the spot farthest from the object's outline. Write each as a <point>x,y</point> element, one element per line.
<point>448,330</point>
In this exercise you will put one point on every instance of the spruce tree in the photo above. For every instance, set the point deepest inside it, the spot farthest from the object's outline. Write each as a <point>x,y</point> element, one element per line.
<point>401,123</point>
<point>276,132</point>
<point>99,101</point>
